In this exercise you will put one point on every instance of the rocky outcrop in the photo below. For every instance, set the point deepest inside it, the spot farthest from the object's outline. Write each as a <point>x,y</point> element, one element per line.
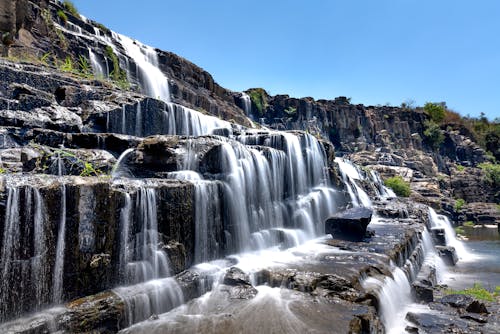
<point>349,224</point>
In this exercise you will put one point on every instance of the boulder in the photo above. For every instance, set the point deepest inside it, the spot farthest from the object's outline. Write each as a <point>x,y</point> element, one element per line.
<point>350,224</point>
<point>238,284</point>
<point>423,293</point>
<point>438,235</point>
<point>457,300</point>
<point>448,254</point>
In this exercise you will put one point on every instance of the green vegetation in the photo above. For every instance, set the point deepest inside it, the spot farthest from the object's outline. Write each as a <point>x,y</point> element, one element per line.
<point>433,134</point>
<point>259,99</point>
<point>459,204</point>
<point>459,230</point>
<point>435,111</point>
<point>84,67</point>
<point>67,65</point>
<point>3,170</point>
<point>290,111</point>
<point>70,7</point>
<point>118,75</point>
<point>469,224</point>
<point>398,185</point>
<point>477,291</point>
<point>89,170</point>
<point>460,168</point>
<point>102,27</point>
<point>62,15</point>
<point>492,172</point>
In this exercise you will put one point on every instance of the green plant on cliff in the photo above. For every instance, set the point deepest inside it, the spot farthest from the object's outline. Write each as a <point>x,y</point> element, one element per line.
<point>433,134</point>
<point>117,75</point>
<point>70,7</point>
<point>67,65</point>
<point>290,111</point>
<point>459,204</point>
<point>492,172</point>
<point>435,111</point>
<point>62,15</point>
<point>398,185</point>
<point>84,67</point>
<point>258,96</point>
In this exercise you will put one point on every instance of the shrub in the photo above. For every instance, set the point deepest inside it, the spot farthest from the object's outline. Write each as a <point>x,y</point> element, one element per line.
<point>70,7</point>
<point>398,185</point>
<point>469,224</point>
<point>477,291</point>
<point>67,65</point>
<point>62,15</point>
<point>435,111</point>
<point>433,134</point>
<point>290,111</point>
<point>259,99</point>
<point>460,168</point>
<point>459,204</point>
<point>492,172</point>
<point>117,75</point>
<point>459,230</point>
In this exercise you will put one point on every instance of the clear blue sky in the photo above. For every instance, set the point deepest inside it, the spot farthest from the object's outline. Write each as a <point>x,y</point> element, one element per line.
<point>374,51</point>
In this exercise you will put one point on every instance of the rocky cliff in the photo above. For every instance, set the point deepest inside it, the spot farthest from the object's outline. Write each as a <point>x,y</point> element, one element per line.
<point>117,179</point>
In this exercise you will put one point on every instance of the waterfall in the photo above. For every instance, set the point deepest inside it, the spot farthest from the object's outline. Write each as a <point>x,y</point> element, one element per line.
<point>39,270</point>
<point>153,82</point>
<point>442,222</point>
<point>247,103</point>
<point>97,68</point>
<point>142,261</point>
<point>60,249</point>
<point>394,294</point>
<point>350,174</point>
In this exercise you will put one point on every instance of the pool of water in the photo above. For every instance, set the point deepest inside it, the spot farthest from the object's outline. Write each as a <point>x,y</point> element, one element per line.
<point>484,266</point>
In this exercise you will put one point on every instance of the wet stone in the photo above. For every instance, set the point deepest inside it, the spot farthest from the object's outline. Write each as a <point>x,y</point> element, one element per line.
<point>349,224</point>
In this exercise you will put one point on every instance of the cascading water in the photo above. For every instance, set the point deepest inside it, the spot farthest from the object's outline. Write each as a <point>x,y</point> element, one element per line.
<point>247,103</point>
<point>60,249</point>
<point>153,82</point>
<point>442,222</point>
<point>350,174</point>
<point>394,295</point>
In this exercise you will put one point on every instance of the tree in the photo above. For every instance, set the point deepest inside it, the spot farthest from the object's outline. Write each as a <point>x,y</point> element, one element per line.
<point>435,111</point>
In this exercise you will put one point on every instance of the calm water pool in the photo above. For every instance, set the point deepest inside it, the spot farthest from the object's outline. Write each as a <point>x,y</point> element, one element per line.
<point>484,266</point>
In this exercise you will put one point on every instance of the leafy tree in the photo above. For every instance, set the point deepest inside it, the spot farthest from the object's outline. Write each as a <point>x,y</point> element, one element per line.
<point>435,111</point>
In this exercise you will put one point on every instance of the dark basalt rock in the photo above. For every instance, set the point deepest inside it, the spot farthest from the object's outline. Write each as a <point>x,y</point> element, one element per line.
<point>423,293</point>
<point>448,254</point>
<point>457,300</point>
<point>436,323</point>
<point>477,307</point>
<point>235,276</point>
<point>350,224</point>
<point>438,235</point>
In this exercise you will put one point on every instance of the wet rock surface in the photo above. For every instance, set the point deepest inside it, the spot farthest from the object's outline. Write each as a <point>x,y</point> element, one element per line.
<point>349,224</point>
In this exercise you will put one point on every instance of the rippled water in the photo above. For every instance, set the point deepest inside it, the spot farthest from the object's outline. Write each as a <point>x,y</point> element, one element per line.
<point>484,268</point>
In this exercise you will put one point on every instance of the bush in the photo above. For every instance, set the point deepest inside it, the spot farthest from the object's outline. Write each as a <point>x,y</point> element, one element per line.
<point>259,99</point>
<point>492,172</point>
<point>62,15</point>
<point>469,224</point>
<point>459,204</point>
<point>398,185</point>
<point>290,111</point>
<point>433,134</point>
<point>460,168</point>
<point>435,111</point>
<point>70,7</point>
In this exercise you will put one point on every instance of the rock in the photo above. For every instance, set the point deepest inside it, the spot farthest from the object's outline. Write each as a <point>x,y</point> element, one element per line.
<point>235,276</point>
<point>474,317</point>
<point>423,293</point>
<point>177,255</point>
<point>437,323</point>
<point>439,236</point>
<point>349,224</point>
<point>448,254</point>
<point>477,307</point>
<point>238,284</point>
<point>457,300</point>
